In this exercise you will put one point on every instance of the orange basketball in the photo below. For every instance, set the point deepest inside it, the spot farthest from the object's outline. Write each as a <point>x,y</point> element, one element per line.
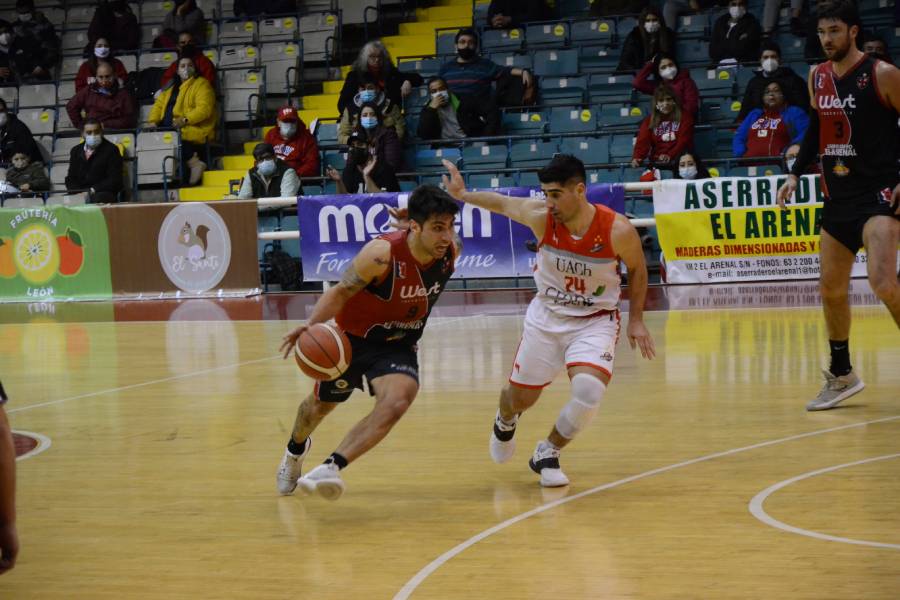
<point>323,352</point>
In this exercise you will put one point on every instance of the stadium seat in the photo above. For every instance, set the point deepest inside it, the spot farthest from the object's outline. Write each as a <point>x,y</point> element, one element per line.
<point>621,147</point>
<point>547,34</point>
<point>242,100</point>
<point>238,56</point>
<point>502,39</point>
<point>692,25</point>
<point>567,91</point>
<point>516,60</point>
<point>531,154</point>
<point>277,30</point>
<point>282,62</point>
<point>619,115</point>
<point>754,171</point>
<point>41,121</point>
<point>692,51</point>
<point>152,149</point>
<point>62,148</point>
<point>528,179</point>
<point>591,150</point>
<point>595,32</point>
<point>556,63</point>
<point>237,32</point>
<point>524,123</point>
<point>487,181</point>
<point>597,59</point>
<point>318,30</point>
<point>42,94</point>
<point>327,132</point>
<point>714,81</point>
<point>431,158</point>
<point>564,119</point>
<point>426,67</point>
<point>603,88</point>
<point>485,156</point>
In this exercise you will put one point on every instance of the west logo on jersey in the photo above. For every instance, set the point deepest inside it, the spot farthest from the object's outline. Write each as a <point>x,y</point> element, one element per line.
<point>827,102</point>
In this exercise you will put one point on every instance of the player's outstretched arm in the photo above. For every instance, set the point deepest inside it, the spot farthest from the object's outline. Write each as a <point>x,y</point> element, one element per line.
<point>527,211</point>
<point>627,243</point>
<point>371,263</point>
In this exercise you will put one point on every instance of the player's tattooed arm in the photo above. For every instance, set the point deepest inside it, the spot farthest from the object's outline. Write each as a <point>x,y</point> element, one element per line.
<point>370,264</point>
<point>351,282</point>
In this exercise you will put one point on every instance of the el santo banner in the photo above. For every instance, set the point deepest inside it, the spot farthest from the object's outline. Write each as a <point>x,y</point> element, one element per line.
<point>333,229</point>
<point>731,229</point>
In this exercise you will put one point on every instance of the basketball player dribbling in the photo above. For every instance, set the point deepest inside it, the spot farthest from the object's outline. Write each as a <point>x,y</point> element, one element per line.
<point>853,128</point>
<point>382,303</point>
<point>573,320</point>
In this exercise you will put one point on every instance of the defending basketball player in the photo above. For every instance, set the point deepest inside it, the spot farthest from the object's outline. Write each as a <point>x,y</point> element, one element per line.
<point>382,303</point>
<point>853,128</point>
<point>573,320</point>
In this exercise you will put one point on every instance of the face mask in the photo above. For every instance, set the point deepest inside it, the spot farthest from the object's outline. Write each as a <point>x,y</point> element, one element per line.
<point>443,94</point>
<point>367,95</point>
<point>3,119</point>
<point>266,167</point>
<point>669,72</point>
<point>92,141</point>
<point>736,12</point>
<point>20,163</point>
<point>687,172</point>
<point>790,163</point>
<point>24,17</point>
<point>185,74</point>
<point>466,53</point>
<point>769,65</point>
<point>651,26</point>
<point>369,122</point>
<point>101,52</point>
<point>287,129</point>
<point>359,156</point>
<point>5,39</point>
<point>661,107</point>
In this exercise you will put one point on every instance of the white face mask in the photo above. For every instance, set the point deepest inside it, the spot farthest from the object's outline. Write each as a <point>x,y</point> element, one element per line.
<point>266,167</point>
<point>3,119</point>
<point>287,130</point>
<point>442,94</point>
<point>790,162</point>
<point>24,17</point>
<point>737,12</point>
<point>6,39</point>
<point>185,73</point>
<point>662,106</point>
<point>651,26</point>
<point>687,172</point>
<point>101,52</point>
<point>669,72</point>
<point>92,141</point>
<point>770,65</point>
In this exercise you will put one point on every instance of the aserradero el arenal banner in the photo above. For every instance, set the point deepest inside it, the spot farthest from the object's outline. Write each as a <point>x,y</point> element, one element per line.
<point>334,228</point>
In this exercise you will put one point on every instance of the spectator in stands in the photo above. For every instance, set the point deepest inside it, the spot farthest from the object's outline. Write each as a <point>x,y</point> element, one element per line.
<point>506,14</point>
<point>374,59</point>
<point>185,17</point>
<point>188,104</point>
<point>666,133</point>
<point>690,167</point>
<point>770,17</point>
<point>447,117</point>
<point>790,156</point>
<point>877,47</point>
<point>796,90</point>
<point>36,46</point>
<point>369,92</point>
<point>100,51</point>
<point>114,20</point>
<point>244,9</point>
<point>650,37</point>
<point>469,78</point>
<point>15,136</point>
<point>27,176</point>
<point>735,36</point>
<point>7,54</point>
<point>104,100</point>
<point>95,166</point>
<point>673,8</point>
<point>293,143</point>
<point>374,157</point>
<point>187,47</point>
<point>769,130</point>
<point>270,176</point>
<point>665,69</point>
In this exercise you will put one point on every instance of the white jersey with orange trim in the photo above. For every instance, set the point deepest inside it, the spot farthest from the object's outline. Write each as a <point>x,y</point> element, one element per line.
<point>578,277</point>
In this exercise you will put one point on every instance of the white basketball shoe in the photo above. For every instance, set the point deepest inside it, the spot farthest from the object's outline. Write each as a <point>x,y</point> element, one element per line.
<point>325,480</point>
<point>502,445</point>
<point>836,390</point>
<point>545,462</point>
<point>289,469</point>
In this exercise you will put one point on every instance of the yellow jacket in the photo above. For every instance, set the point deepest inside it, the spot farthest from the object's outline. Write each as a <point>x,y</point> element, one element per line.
<point>197,101</point>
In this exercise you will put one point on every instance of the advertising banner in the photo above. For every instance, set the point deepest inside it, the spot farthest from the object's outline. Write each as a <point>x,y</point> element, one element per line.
<point>334,228</point>
<point>730,229</point>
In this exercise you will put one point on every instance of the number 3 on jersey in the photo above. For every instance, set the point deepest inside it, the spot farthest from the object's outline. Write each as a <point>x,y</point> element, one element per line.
<point>575,284</point>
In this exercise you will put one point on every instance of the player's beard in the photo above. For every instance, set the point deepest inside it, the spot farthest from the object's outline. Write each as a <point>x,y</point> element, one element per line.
<point>838,53</point>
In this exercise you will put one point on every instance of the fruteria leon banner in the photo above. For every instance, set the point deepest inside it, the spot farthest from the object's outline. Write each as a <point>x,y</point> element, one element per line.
<point>334,228</point>
<point>55,253</point>
<point>731,229</point>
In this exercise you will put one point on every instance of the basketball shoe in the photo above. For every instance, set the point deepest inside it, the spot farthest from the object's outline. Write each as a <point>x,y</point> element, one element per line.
<point>503,446</point>
<point>836,390</point>
<point>289,469</point>
<point>325,480</point>
<point>545,462</point>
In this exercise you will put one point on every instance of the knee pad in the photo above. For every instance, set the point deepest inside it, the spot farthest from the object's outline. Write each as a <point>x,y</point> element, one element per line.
<point>587,392</point>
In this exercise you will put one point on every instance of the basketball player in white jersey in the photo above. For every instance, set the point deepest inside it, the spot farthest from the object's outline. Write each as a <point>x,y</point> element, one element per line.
<point>573,320</point>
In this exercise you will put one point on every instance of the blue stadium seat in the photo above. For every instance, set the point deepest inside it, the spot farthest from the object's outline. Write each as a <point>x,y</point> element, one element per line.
<point>524,123</point>
<point>574,8</point>
<point>754,171</point>
<point>692,25</point>
<point>517,60</point>
<point>327,132</point>
<point>621,147</point>
<point>719,110</point>
<point>599,31</point>
<point>616,114</point>
<point>547,34</point>
<point>604,88</point>
<point>426,67</point>
<point>743,77</point>
<point>611,175</point>
<point>792,47</point>
<point>531,153</point>
<point>502,39</point>
<point>416,101</point>
<point>591,150</point>
<point>485,156</point>
<point>705,142</point>
<point>529,179</point>
<point>692,51</point>
<point>407,185</point>
<point>714,81</point>
<point>563,90</point>
<point>566,119</point>
<point>431,158</point>
<point>335,159</point>
<point>624,26</point>
<point>556,63</point>
<point>488,181</point>
<point>598,59</point>
<point>445,41</point>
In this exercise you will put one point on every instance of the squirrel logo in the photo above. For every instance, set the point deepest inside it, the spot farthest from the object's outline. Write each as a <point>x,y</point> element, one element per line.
<point>195,241</point>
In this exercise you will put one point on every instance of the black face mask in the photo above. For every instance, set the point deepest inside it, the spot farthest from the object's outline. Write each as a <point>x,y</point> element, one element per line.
<point>359,156</point>
<point>466,53</point>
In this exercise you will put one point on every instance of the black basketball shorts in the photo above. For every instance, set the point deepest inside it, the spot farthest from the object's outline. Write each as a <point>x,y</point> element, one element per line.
<point>845,219</point>
<point>370,361</point>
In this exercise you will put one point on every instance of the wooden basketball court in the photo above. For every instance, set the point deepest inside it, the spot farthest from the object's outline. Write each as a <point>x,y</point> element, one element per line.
<point>160,427</point>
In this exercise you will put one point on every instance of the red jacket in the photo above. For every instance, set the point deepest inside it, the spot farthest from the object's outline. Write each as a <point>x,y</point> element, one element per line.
<point>115,111</point>
<point>301,152</point>
<point>669,137</point>
<point>204,67</point>
<point>768,135</point>
<point>683,86</point>
<point>88,70</point>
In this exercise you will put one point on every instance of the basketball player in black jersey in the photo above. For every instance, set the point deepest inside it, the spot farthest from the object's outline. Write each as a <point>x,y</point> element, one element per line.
<point>854,130</point>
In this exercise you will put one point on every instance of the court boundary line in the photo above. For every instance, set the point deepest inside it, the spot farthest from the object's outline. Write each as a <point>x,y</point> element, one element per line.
<point>44,443</point>
<point>141,384</point>
<point>757,510</point>
<point>437,563</point>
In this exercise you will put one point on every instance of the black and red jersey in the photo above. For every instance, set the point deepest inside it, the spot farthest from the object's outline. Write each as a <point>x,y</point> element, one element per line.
<point>395,308</point>
<point>859,139</point>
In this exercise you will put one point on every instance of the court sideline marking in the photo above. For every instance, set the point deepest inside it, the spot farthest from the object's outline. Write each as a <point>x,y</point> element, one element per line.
<point>434,565</point>
<point>757,510</point>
